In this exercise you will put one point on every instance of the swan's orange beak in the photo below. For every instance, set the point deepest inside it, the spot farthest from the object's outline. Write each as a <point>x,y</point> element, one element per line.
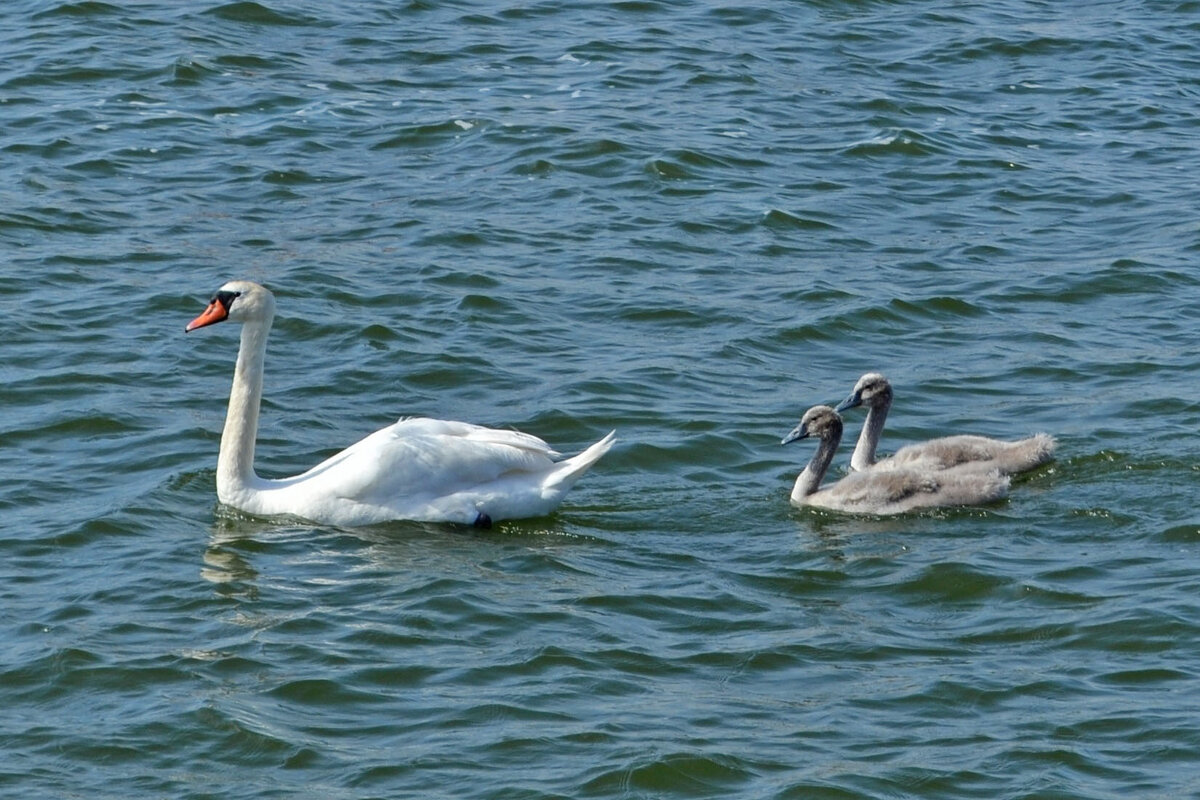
<point>215,312</point>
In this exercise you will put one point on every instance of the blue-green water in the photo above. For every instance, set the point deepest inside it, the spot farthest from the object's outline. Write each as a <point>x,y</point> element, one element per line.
<point>688,221</point>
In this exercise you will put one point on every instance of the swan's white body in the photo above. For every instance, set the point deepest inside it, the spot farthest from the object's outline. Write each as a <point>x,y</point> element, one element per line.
<point>417,469</point>
<point>884,492</point>
<point>1009,458</point>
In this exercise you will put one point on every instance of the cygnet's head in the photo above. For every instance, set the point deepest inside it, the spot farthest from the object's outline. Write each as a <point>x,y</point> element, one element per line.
<point>236,301</point>
<point>819,421</point>
<point>872,391</point>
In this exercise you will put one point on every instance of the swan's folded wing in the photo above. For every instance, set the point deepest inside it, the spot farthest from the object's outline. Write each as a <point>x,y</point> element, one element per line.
<point>417,458</point>
<point>879,488</point>
<point>971,485</point>
<point>896,490</point>
<point>950,451</point>
<point>942,453</point>
<point>509,438</point>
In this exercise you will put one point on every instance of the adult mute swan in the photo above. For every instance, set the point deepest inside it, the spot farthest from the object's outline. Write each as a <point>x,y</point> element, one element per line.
<point>883,491</point>
<point>874,392</point>
<point>417,469</point>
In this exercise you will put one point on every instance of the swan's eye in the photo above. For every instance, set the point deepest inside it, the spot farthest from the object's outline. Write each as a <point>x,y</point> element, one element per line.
<point>225,299</point>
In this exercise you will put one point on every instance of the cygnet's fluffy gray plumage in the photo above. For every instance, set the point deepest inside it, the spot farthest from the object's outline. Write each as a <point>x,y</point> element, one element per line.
<point>891,491</point>
<point>1009,458</point>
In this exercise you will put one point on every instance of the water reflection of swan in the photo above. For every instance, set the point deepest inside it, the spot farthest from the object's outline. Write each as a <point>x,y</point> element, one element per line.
<point>417,469</point>
<point>874,392</point>
<point>891,491</point>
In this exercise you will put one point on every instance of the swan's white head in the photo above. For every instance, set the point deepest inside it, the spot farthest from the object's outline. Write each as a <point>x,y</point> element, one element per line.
<point>872,391</point>
<point>236,301</point>
<point>819,421</point>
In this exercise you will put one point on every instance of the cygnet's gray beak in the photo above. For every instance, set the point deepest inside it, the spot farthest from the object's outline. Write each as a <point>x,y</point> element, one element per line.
<point>853,401</point>
<point>798,432</point>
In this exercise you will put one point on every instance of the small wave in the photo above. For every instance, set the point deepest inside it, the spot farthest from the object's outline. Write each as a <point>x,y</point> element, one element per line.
<point>673,773</point>
<point>81,10</point>
<point>259,14</point>
<point>896,143</point>
<point>784,220</point>
<point>427,134</point>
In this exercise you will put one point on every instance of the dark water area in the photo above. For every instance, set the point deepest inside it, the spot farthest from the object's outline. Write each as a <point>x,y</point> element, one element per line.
<point>687,221</point>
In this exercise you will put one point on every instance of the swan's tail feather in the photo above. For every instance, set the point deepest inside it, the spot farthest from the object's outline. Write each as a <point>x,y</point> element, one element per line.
<point>1043,446</point>
<point>571,469</point>
<point>1028,453</point>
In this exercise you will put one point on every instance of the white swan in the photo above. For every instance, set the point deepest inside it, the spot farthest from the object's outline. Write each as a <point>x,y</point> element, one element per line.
<point>883,491</point>
<point>417,469</point>
<point>1009,458</point>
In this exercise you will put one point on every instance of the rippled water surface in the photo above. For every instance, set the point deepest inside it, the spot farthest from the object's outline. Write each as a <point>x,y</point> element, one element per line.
<point>688,221</point>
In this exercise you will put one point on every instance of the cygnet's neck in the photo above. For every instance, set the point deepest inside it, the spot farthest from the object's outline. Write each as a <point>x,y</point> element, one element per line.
<point>235,464</point>
<point>868,439</point>
<point>814,471</point>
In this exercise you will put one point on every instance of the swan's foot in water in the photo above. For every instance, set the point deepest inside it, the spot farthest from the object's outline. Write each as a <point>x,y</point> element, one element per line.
<point>483,521</point>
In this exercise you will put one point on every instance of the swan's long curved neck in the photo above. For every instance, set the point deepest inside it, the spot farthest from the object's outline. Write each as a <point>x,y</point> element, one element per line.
<point>235,464</point>
<point>814,471</point>
<point>868,439</point>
